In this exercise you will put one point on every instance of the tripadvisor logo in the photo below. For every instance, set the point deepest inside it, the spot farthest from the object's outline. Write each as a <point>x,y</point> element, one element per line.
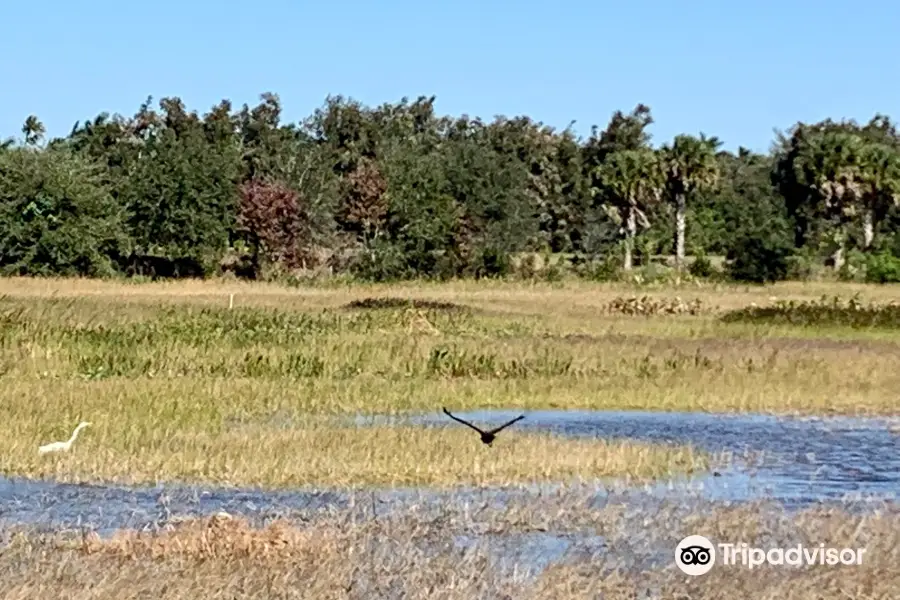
<point>696,555</point>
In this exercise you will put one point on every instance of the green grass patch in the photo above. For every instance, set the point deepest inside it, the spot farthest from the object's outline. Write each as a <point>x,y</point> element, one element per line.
<point>826,312</point>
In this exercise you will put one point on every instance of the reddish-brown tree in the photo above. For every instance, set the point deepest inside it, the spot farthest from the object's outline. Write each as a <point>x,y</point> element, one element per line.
<point>276,222</point>
<point>363,203</point>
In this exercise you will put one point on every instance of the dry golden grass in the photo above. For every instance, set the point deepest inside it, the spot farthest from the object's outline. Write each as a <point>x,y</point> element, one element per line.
<point>345,456</point>
<point>179,387</point>
<point>414,557</point>
<point>531,298</point>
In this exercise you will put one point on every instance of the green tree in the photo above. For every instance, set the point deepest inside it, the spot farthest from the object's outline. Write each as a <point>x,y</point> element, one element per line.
<point>689,166</point>
<point>294,156</point>
<point>347,130</point>
<point>420,231</point>
<point>271,150</point>
<point>633,181</point>
<point>56,215</point>
<point>818,171</point>
<point>623,132</point>
<point>554,184</point>
<point>745,193</point>
<point>183,192</point>
<point>831,167</point>
<point>757,233</point>
<point>497,214</point>
<point>880,185</point>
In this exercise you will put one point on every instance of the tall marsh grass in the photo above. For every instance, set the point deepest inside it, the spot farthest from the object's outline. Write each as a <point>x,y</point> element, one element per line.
<point>179,386</point>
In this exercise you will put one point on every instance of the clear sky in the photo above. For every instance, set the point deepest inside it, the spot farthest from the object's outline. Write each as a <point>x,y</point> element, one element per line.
<point>731,69</point>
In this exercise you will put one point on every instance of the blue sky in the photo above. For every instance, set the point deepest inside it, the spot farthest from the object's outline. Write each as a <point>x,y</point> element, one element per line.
<point>732,69</point>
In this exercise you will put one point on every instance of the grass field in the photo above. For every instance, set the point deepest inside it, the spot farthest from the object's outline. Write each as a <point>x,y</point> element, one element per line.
<point>181,387</point>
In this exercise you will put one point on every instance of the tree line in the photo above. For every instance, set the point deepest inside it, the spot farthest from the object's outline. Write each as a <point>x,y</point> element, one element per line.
<point>399,192</point>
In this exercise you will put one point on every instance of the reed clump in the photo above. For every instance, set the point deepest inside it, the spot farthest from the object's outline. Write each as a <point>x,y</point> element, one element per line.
<point>648,306</point>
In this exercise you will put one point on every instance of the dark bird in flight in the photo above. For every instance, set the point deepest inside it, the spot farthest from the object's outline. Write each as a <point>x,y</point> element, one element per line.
<point>486,436</point>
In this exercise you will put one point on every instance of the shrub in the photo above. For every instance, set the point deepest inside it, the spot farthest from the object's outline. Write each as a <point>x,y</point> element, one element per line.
<point>760,254</point>
<point>380,260</point>
<point>819,313</point>
<point>756,261</point>
<point>701,266</point>
<point>883,267</point>
<point>491,262</point>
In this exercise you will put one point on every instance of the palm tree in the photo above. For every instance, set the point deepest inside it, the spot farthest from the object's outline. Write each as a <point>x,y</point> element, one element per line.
<point>632,180</point>
<point>689,166</point>
<point>33,129</point>
<point>880,177</point>
<point>829,164</point>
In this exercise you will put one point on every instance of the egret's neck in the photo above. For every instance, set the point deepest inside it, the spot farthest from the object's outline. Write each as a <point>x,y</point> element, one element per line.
<point>75,433</point>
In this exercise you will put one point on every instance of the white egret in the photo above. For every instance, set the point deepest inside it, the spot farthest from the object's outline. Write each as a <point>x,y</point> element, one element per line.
<point>62,446</point>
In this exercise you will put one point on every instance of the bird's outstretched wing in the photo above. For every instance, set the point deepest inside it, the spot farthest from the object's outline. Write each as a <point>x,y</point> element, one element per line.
<point>505,425</point>
<point>457,419</point>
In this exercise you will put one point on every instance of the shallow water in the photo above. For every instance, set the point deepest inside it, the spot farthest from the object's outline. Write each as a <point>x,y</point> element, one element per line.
<point>795,461</point>
<point>798,462</point>
<point>107,508</point>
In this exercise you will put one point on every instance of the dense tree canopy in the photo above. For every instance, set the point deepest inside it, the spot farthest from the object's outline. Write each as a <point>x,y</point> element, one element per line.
<point>399,191</point>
